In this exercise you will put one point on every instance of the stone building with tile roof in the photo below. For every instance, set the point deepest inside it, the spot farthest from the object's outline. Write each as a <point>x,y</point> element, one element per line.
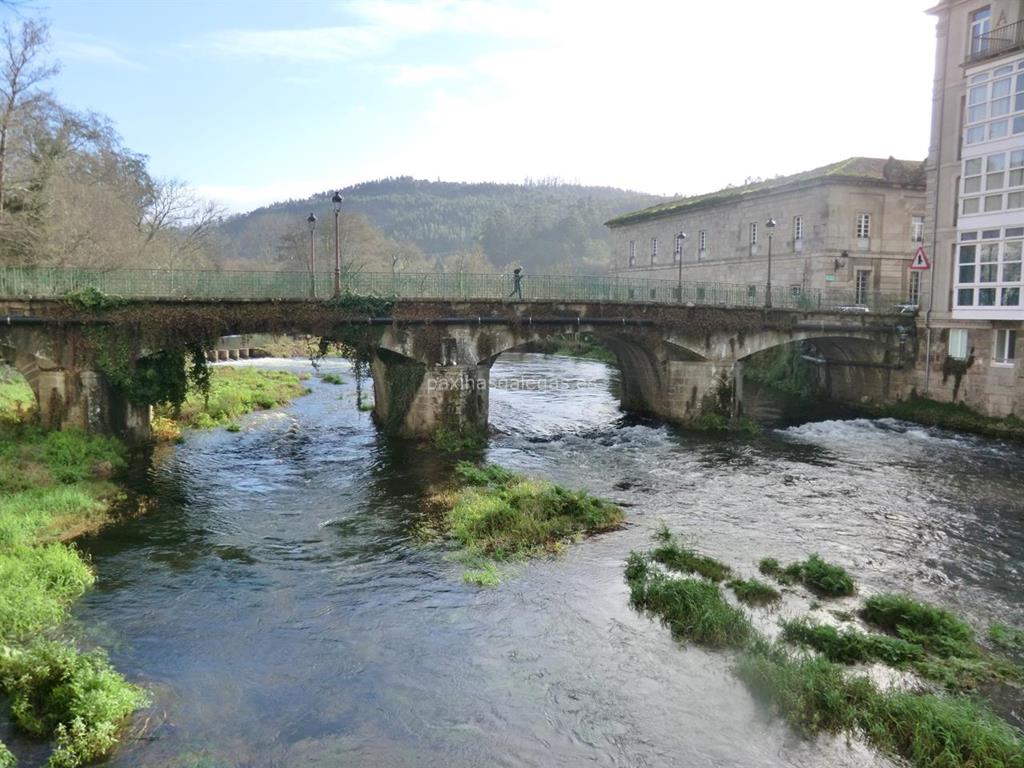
<point>846,232</point>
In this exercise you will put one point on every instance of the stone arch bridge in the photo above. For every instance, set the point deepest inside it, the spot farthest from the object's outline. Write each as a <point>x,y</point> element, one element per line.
<point>431,359</point>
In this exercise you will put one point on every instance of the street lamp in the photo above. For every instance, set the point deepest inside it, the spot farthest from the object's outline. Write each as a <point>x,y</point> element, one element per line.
<point>770,226</point>
<point>679,260</point>
<point>311,220</point>
<point>337,245</point>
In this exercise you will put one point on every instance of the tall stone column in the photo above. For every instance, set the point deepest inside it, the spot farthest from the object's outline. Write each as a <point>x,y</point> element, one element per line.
<point>697,387</point>
<point>413,399</point>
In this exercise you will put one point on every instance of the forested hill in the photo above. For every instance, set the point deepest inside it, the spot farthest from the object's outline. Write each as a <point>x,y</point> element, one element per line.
<point>545,226</point>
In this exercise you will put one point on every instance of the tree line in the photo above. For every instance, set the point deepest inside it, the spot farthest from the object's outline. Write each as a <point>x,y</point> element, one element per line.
<point>71,194</point>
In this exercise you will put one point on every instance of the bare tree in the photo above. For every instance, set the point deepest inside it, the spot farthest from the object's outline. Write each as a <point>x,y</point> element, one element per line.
<point>21,71</point>
<point>180,219</point>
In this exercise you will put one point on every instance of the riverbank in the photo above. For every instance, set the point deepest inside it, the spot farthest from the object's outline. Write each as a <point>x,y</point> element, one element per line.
<point>955,416</point>
<point>54,488</point>
<point>233,392</point>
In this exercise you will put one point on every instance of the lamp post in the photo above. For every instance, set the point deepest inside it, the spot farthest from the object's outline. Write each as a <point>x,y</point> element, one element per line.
<point>311,220</point>
<point>337,245</point>
<point>770,226</point>
<point>679,260</point>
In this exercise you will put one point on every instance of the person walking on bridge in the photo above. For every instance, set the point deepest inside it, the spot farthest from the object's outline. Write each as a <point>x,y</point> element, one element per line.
<point>517,283</point>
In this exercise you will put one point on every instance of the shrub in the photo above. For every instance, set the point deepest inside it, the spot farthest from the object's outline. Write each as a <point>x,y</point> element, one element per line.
<point>78,697</point>
<point>6,758</point>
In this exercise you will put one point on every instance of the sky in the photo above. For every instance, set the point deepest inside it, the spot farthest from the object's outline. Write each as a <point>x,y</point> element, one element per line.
<point>252,102</point>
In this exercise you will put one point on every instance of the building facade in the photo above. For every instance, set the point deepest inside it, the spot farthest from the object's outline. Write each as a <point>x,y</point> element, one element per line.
<point>847,231</point>
<point>973,310</point>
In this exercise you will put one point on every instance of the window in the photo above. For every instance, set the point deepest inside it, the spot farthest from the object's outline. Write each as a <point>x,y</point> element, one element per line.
<point>862,284</point>
<point>654,250</point>
<point>914,291</point>
<point>677,255</point>
<point>751,292</point>
<point>632,253</point>
<point>994,101</point>
<point>917,229</point>
<point>795,291</point>
<point>753,233</point>
<point>981,25</point>
<point>798,228</point>
<point>1005,347</point>
<point>958,343</point>
<point>863,226</point>
<point>702,242</point>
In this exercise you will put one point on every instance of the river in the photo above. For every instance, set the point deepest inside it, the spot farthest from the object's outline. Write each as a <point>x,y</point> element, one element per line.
<point>280,606</point>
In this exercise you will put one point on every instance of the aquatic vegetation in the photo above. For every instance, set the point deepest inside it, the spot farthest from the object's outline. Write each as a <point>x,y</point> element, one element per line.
<point>78,698</point>
<point>1006,637</point>
<point>754,592</point>
<point>53,486</point>
<point>850,646</point>
<point>332,378</point>
<point>814,694</point>
<point>234,392</point>
<point>498,515</point>
<point>693,609</point>
<point>956,416</point>
<point>683,560</point>
<point>934,628</point>
<point>452,441</point>
<point>821,577</point>
<point>485,576</point>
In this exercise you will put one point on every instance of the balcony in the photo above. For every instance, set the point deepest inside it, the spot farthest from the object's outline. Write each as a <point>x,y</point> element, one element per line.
<point>999,41</point>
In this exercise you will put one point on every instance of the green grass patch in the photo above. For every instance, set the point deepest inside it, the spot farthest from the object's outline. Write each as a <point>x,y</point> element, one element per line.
<point>850,646</point>
<point>693,609</point>
<point>453,441</point>
<point>485,576</point>
<point>754,592</point>
<point>814,694</point>
<point>935,629</point>
<point>17,401</point>
<point>1006,637</point>
<point>76,698</point>
<point>683,560</point>
<point>332,378</point>
<point>500,515</point>
<point>235,392</point>
<point>821,577</point>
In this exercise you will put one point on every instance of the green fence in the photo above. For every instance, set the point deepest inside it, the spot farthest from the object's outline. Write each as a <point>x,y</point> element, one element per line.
<point>47,282</point>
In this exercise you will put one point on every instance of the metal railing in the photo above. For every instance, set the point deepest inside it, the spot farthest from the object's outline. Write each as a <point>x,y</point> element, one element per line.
<point>999,40</point>
<point>59,282</point>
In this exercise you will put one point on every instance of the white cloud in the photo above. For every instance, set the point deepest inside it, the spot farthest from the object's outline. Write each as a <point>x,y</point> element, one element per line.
<point>314,44</point>
<point>85,50</point>
<point>418,75</point>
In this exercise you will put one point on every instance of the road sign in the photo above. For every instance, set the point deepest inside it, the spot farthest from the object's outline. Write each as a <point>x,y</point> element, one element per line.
<point>920,260</point>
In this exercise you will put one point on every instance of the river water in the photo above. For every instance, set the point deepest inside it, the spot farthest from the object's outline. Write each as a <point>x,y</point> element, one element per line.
<point>280,606</point>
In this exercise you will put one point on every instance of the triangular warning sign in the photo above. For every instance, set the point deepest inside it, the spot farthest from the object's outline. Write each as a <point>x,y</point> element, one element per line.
<point>920,260</point>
